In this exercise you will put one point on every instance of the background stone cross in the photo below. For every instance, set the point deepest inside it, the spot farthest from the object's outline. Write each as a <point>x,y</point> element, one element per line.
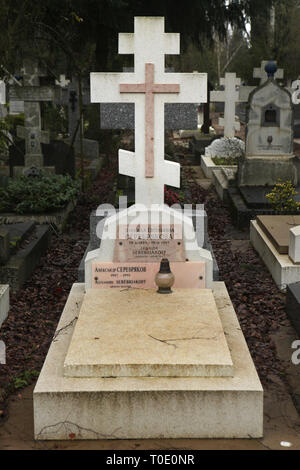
<point>149,44</point>
<point>229,96</point>
<point>32,94</point>
<point>259,72</point>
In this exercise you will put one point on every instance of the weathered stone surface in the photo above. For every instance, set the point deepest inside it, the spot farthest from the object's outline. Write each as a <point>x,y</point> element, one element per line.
<point>281,267</point>
<point>179,335</point>
<point>128,407</point>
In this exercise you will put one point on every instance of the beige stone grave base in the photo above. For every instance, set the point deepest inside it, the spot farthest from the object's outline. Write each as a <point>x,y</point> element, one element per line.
<point>281,267</point>
<point>139,333</point>
<point>277,229</point>
<point>148,407</point>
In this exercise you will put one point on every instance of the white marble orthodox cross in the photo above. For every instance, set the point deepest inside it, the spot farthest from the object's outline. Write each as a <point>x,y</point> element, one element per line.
<point>149,87</point>
<point>230,96</point>
<point>259,72</point>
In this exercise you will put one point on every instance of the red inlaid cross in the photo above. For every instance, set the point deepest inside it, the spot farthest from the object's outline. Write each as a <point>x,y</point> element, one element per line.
<point>149,88</point>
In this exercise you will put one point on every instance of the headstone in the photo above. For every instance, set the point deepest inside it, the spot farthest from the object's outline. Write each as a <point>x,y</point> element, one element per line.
<point>262,75</point>
<point>269,136</point>
<point>294,244</point>
<point>32,94</point>
<point>70,98</point>
<point>229,96</point>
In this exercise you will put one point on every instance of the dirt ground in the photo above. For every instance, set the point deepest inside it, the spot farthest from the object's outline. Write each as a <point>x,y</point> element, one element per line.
<point>281,419</point>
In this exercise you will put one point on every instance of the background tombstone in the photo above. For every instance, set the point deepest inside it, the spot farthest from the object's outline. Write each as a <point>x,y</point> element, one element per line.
<point>229,96</point>
<point>269,139</point>
<point>70,98</point>
<point>32,94</point>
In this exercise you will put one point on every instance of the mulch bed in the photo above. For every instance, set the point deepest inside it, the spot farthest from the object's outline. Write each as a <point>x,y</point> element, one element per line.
<point>36,309</point>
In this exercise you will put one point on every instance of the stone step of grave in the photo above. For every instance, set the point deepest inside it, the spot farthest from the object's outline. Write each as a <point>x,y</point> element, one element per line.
<point>223,178</point>
<point>20,266</point>
<point>18,232</point>
<point>293,305</point>
<point>277,228</point>
<point>57,218</point>
<point>168,341</point>
<point>4,303</point>
<point>283,270</point>
<point>11,236</point>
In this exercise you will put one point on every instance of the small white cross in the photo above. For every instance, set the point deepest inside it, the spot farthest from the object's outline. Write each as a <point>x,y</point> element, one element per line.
<point>229,96</point>
<point>149,88</point>
<point>62,82</point>
<point>259,72</point>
